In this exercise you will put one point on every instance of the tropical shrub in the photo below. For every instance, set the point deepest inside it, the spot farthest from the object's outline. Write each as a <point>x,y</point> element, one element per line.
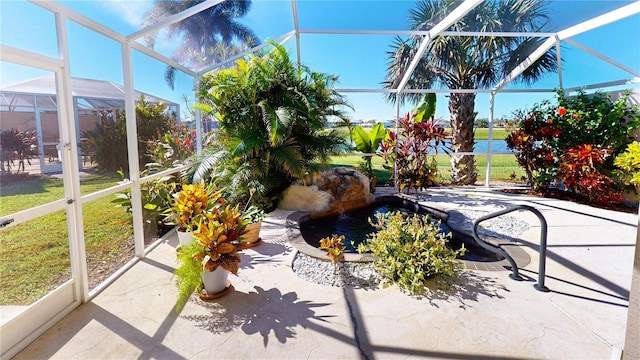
<point>413,152</point>
<point>628,166</point>
<point>272,115</point>
<point>531,143</point>
<point>573,142</point>
<point>191,204</point>
<point>106,145</point>
<point>580,170</point>
<point>368,144</point>
<point>16,146</point>
<point>411,250</point>
<point>173,147</point>
<point>156,198</point>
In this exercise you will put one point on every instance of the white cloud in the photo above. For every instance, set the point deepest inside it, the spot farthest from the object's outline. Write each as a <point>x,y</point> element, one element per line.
<point>132,11</point>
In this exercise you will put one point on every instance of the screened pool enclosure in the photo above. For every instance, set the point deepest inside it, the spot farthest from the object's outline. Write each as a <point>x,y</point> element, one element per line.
<point>97,45</point>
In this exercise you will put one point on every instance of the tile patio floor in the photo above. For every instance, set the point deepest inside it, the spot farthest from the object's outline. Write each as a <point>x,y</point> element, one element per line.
<point>273,314</point>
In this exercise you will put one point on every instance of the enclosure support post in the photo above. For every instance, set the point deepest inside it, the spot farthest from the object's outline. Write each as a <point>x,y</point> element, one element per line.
<point>395,166</point>
<point>559,61</point>
<point>69,157</point>
<point>132,148</point>
<point>294,9</point>
<point>487,180</point>
<point>632,337</point>
<point>198,116</point>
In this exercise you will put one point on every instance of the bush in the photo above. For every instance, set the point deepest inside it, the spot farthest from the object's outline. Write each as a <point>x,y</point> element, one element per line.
<point>273,115</point>
<point>628,164</point>
<point>156,198</point>
<point>573,143</point>
<point>173,147</point>
<point>411,250</point>
<point>106,145</point>
<point>16,146</point>
<point>413,152</point>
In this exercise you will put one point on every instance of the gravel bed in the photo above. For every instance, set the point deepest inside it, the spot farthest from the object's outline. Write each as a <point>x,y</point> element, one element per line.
<point>352,274</point>
<point>501,226</point>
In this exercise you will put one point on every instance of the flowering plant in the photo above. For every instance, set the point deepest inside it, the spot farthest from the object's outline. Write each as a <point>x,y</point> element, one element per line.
<point>217,239</point>
<point>413,151</point>
<point>190,204</point>
<point>573,142</point>
<point>216,245</point>
<point>174,147</point>
<point>334,246</point>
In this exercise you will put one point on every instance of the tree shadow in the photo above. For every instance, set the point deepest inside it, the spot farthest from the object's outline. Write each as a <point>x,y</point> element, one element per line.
<point>262,254</point>
<point>260,312</point>
<point>468,289</point>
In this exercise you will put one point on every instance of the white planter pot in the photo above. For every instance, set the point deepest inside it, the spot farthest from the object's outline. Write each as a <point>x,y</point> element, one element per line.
<point>215,281</point>
<point>185,237</point>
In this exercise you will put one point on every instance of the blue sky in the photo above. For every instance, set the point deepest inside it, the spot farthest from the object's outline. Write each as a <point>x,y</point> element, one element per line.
<point>358,60</point>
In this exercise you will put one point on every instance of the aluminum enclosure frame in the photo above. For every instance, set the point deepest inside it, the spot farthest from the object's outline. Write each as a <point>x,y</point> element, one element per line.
<point>74,199</point>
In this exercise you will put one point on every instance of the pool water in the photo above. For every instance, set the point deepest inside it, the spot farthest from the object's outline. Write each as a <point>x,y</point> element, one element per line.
<point>355,227</point>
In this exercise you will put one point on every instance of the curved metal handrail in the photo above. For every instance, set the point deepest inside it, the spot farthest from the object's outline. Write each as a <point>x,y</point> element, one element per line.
<point>543,243</point>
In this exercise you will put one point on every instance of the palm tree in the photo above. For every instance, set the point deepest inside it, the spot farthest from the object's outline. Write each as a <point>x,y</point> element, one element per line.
<point>205,38</point>
<point>346,122</point>
<point>464,62</point>
<point>273,115</point>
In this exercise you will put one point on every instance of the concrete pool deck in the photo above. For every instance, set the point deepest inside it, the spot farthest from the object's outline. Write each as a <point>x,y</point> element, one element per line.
<point>273,314</point>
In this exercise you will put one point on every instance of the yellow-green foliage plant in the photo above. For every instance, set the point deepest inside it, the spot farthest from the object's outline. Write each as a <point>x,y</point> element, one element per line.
<point>334,246</point>
<point>217,241</point>
<point>628,164</point>
<point>411,250</point>
<point>190,205</point>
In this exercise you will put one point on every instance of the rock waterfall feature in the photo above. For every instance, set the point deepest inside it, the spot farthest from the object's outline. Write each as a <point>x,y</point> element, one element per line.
<point>329,193</point>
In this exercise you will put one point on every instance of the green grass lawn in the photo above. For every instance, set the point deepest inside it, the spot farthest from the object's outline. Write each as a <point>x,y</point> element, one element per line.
<point>502,167</point>
<point>483,134</point>
<point>35,254</point>
<point>25,194</point>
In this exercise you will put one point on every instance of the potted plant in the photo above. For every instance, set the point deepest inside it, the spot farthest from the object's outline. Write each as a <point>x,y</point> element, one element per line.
<point>205,263</point>
<point>251,237</point>
<point>190,204</point>
<point>156,200</point>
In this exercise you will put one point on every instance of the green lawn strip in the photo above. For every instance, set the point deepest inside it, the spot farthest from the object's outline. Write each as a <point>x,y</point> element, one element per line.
<point>109,232</point>
<point>483,134</point>
<point>30,193</point>
<point>98,182</point>
<point>26,194</point>
<point>36,254</point>
<point>35,259</point>
<point>502,166</point>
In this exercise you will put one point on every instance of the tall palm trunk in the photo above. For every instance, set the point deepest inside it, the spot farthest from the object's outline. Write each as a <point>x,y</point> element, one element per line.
<point>463,167</point>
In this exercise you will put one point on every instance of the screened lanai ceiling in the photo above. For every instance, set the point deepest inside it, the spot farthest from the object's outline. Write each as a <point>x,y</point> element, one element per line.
<point>368,25</point>
<point>345,38</point>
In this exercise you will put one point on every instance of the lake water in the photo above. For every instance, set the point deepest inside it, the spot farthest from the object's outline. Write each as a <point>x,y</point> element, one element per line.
<point>497,146</point>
